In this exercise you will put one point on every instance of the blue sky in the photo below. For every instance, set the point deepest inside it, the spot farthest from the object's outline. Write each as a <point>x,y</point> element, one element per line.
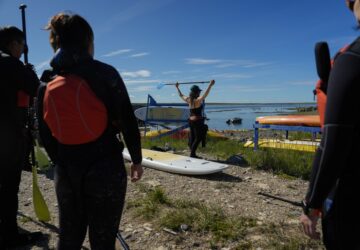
<point>257,51</point>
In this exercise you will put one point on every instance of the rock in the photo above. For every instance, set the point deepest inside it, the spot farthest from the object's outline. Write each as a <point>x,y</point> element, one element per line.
<point>161,248</point>
<point>184,227</point>
<point>153,183</point>
<point>148,228</point>
<point>169,231</point>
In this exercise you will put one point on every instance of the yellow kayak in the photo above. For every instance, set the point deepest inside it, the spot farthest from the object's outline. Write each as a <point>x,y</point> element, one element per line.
<point>308,146</point>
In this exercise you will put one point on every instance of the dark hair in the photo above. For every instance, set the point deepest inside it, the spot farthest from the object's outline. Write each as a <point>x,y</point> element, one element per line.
<point>10,34</point>
<point>194,93</point>
<point>70,32</point>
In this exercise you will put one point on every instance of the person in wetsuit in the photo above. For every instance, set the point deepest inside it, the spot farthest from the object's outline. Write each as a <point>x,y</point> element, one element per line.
<point>81,111</point>
<point>335,170</point>
<point>15,77</point>
<point>196,119</point>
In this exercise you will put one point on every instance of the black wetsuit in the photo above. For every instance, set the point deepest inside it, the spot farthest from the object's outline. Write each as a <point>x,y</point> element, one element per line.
<point>335,165</point>
<point>90,178</point>
<point>196,129</point>
<point>14,77</point>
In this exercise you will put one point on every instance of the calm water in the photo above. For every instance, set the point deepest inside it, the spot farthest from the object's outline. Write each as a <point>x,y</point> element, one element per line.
<point>219,114</point>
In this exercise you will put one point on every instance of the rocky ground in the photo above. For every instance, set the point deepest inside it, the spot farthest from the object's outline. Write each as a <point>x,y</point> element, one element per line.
<point>235,191</point>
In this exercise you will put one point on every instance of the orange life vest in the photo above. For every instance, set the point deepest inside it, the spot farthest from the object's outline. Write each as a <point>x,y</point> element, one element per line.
<point>72,111</point>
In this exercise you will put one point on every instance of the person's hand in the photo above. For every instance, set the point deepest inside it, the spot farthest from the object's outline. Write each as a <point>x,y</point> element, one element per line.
<point>309,223</point>
<point>212,82</point>
<point>177,85</point>
<point>30,67</point>
<point>136,171</point>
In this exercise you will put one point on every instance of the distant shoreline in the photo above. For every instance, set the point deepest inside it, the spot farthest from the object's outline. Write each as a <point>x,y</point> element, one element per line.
<point>236,103</point>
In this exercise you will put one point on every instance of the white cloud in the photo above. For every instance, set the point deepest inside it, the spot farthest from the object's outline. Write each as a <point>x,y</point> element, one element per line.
<point>134,74</point>
<point>143,88</point>
<point>117,52</point>
<point>232,75</point>
<point>201,61</point>
<point>140,81</point>
<point>305,83</point>
<point>136,9</point>
<point>221,63</point>
<point>140,54</point>
<point>226,65</point>
<point>255,64</point>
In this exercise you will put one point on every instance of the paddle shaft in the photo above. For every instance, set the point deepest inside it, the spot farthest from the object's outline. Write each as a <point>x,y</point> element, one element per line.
<point>295,203</point>
<point>201,82</point>
<point>122,241</point>
<point>23,19</point>
<point>40,206</point>
<point>26,61</point>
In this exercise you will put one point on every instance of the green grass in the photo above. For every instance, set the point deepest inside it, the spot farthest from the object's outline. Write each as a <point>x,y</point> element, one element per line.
<point>211,220</point>
<point>157,206</point>
<point>148,206</point>
<point>281,236</point>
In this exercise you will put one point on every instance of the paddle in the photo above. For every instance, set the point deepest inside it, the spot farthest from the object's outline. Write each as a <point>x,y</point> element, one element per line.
<point>323,61</point>
<point>122,241</point>
<point>40,207</point>
<point>161,85</point>
<point>294,203</point>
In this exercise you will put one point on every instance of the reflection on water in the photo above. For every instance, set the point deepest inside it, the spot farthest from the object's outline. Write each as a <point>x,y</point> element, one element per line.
<point>219,114</point>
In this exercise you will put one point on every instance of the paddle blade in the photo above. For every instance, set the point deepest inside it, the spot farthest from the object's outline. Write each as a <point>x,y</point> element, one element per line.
<point>323,61</point>
<point>40,207</point>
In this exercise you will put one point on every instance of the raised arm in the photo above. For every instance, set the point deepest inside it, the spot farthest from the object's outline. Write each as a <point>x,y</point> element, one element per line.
<point>185,98</point>
<point>202,98</point>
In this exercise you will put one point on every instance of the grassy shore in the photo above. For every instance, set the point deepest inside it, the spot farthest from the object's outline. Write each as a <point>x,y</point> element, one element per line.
<point>220,211</point>
<point>295,164</point>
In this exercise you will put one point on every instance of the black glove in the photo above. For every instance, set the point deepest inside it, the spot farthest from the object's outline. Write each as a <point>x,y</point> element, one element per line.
<point>31,67</point>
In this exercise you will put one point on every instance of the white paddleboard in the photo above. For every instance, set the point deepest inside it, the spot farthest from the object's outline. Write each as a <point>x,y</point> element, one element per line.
<point>162,113</point>
<point>178,164</point>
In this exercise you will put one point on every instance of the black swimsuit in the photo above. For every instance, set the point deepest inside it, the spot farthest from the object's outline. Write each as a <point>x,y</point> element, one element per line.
<point>196,129</point>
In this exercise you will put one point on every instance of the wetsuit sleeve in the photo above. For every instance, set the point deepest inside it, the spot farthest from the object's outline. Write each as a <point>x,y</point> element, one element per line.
<point>339,133</point>
<point>125,116</point>
<point>48,141</point>
<point>26,78</point>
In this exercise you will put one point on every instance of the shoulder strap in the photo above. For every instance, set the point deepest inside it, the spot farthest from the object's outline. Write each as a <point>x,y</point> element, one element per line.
<point>98,84</point>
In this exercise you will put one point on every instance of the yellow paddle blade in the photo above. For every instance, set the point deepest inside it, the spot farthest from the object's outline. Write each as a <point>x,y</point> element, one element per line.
<point>40,207</point>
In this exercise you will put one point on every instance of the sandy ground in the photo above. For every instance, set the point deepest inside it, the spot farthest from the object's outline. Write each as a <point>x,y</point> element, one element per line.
<point>235,190</point>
